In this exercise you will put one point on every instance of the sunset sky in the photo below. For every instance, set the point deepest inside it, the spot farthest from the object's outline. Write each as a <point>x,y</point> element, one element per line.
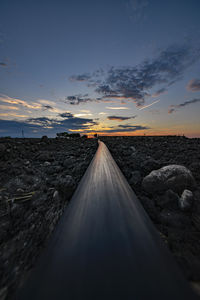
<point>115,67</point>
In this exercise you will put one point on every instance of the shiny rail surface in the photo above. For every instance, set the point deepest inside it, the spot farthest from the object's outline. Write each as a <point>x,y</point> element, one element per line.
<point>105,246</point>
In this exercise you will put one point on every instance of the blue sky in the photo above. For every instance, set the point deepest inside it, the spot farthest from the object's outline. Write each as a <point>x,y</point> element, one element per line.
<point>97,60</point>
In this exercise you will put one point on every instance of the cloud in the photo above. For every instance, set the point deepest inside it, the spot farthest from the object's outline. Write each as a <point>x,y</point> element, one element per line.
<point>194,85</point>
<point>82,115</point>
<point>12,115</point>
<point>159,92</point>
<point>173,108</point>
<point>85,110</point>
<point>2,64</point>
<point>134,83</point>
<point>66,115</point>
<point>47,107</point>
<point>15,101</point>
<point>9,107</point>
<point>116,108</point>
<point>82,77</point>
<point>120,118</point>
<point>46,126</point>
<point>78,99</point>
<point>125,128</point>
<point>16,104</point>
<point>143,107</point>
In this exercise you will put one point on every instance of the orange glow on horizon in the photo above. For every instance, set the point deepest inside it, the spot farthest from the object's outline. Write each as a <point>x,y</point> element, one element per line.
<point>142,133</point>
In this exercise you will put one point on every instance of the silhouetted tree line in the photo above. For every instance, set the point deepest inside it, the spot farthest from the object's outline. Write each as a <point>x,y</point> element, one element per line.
<point>70,135</point>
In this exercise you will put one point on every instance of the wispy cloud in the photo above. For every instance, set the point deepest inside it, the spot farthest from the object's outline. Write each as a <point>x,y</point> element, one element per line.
<point>78,99</point>
<point>120,118</point>
<point>13,115</point>
<point>9,107</point>
<point>48,107</point>
<point>143,107</point>
<point>159,92</point>
<point>66,115</point>
<point>117,108</point>
<point>16,104</point>
<point>87,111</point>
<point>82,115</point>
<point>125,128</point>
<point>3,64</point>
<point>15,101</point>
<point>103,113</point>
<point>194,85</point>
<point>173,108</point>
<point>82,77</point>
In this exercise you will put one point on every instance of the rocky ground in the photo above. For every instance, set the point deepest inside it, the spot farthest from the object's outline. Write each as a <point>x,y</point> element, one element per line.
<point>170,195</point>
<point>37,179</point>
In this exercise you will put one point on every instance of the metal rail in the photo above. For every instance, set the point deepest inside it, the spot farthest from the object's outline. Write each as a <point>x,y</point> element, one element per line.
<point>105,246</point>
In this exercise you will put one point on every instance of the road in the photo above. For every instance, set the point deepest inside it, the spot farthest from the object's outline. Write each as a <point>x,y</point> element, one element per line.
<point>105,246</point>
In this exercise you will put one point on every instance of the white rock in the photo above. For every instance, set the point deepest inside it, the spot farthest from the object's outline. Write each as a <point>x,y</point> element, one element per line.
<point>56,196</point>
<point>186,200</point>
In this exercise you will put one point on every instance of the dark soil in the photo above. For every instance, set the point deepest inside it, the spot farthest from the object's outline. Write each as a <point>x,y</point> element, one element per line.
<point>137,157</point>
<point>37,179</point>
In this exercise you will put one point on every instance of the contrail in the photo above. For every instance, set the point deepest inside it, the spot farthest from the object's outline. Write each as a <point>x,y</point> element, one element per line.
<point>149,104</point>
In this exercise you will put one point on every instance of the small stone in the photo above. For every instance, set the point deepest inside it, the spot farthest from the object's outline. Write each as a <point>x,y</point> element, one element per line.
<point>195,166</point>
<point>196,287</point>
<point>47,163</point>
<point>44,138</point>
<point>158,154</point>
<point>3,293</point>
<point>174,219</point>
<point>186,200</point>
<point>135,178</point>
<point>2,148</point>
<point>65,185</point>
<point>56,196</point>
<point>133,148</point>
<point>168,200</point>
<point>69,162</point>
<point>45,156</point>
<point>150,164</point>
<point>19,190</point>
